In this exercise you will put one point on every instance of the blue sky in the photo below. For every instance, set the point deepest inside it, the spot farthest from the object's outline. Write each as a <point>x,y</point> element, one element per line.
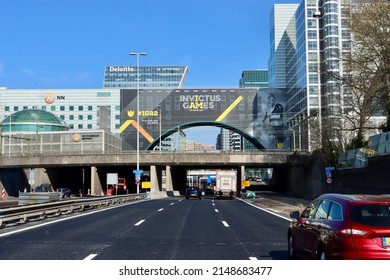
<point>67,44</point>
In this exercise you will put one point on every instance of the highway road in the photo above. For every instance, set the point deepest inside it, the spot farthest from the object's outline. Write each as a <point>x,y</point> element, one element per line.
<point>165,229</point>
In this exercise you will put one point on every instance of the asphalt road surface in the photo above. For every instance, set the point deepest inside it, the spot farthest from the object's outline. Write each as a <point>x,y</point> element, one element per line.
<point>164,229</point>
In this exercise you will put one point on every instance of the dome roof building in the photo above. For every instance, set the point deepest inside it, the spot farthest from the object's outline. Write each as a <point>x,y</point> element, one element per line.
<point>33,120</point>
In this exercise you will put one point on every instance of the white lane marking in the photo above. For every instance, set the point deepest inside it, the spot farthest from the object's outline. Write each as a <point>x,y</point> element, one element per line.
<point>90,257</point>
<point>213,204</point>
<point>172,203</point>
<point>140,222</point>
<point>216,210</point>
<point>265,210</point>
<point>159,210</point>
<point>225,224</point>
<point>252,258</point>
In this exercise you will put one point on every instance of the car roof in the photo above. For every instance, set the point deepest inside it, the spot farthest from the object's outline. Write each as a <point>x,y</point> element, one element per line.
<point>357,199</point>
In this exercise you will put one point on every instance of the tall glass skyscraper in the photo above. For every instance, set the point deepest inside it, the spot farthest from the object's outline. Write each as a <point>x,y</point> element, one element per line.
<point>282,39</point>
<point>150,76</point>
<point>308,42</point>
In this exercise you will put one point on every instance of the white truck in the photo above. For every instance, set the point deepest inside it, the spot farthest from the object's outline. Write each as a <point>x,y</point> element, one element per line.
<point>226,184</point>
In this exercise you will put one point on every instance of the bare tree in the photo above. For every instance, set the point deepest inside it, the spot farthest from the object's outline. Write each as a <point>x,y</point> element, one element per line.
<point>368,66</point>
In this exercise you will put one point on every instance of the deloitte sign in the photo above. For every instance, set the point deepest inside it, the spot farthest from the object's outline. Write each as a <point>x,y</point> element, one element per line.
<point>121,69</point>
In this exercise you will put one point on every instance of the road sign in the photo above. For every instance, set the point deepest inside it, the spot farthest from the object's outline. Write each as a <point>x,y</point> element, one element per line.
<point>138,174</point>
<point>31,174</point>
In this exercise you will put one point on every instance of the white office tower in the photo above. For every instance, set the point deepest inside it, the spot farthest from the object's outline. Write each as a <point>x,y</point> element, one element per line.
<point>306,62</point>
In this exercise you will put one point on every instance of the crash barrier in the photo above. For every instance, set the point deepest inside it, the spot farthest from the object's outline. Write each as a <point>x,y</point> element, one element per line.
<point>21,214</point>
<point>26,198</point>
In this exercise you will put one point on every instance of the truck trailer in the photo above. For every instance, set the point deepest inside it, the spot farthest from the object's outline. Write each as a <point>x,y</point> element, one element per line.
<point>226,184</point>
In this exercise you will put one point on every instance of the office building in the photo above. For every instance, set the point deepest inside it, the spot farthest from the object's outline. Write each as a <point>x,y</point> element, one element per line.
<point>282,36</point>
<point>149,76</point>
<point>254,79</point>
<point>308,43</point>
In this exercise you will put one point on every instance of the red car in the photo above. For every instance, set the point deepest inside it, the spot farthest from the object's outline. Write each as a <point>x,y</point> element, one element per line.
<point>337,226</point>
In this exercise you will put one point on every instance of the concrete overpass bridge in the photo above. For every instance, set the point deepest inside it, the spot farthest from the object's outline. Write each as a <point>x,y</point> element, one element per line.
<point>89,171</point>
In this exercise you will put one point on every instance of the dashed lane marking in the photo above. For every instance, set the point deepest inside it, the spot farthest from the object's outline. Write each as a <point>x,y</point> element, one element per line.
<point>225,224</point>
<point>90,257</point>
<point>159,210</point>
<point>140,222</point>
<point>216,210</point>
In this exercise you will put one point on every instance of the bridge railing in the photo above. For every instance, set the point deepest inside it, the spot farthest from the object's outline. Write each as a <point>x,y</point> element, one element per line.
<point>21,214</point>
<point>74,153</point>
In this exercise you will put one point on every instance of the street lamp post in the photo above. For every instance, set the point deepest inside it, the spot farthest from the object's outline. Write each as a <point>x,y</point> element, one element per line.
<point>137,54</point>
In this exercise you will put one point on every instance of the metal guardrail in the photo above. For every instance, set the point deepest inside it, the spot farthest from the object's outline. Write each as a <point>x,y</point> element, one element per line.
<point>22,214</point>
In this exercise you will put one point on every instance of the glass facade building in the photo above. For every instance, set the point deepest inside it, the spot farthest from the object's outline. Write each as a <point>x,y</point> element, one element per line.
<point>282,38</point>
<point>149,76</point>
<point>308,41</point>
<point>254,78</point>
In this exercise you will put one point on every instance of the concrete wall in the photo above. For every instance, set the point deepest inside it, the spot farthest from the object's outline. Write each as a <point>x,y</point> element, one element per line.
<point>372,179</point>
<point>310,181</point>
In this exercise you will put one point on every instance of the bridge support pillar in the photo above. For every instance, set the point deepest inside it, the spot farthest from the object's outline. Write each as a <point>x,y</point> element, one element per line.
<point>169,181</point>
<point>155,178</point>
<point>242,173</point>
<point>96,185</point>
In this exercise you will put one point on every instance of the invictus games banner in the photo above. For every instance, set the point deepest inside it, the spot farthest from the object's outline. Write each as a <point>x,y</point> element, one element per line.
<point>259,116</point>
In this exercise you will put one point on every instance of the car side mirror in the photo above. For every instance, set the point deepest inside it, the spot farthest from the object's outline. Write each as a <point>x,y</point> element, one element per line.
<point>294,214</point>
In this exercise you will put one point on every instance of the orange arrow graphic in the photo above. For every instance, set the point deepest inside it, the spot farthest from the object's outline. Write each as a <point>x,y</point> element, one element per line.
<point>138,127</point>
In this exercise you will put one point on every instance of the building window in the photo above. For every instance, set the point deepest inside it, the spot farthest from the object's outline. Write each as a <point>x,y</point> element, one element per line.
<point>80,126</point>
<point>89,117</point>
<point>6,108</point>
<point>16,108</point>
<point>71,108</point>
<point>71,117</point>
<point>52,108</point>
<point>81,108</point>
<point>90,108</point>
<point>89,126</point>
<point>80,117</point>
<point>312,45</point>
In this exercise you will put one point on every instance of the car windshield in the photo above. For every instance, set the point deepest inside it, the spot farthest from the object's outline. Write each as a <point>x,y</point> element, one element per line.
<point>371,215</point>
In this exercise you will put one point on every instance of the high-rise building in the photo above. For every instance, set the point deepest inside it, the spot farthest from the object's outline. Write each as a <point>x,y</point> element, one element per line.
<point>282,36</point>
<point>257,78</point>
<point>149,76</point>
<point>308,42</point>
